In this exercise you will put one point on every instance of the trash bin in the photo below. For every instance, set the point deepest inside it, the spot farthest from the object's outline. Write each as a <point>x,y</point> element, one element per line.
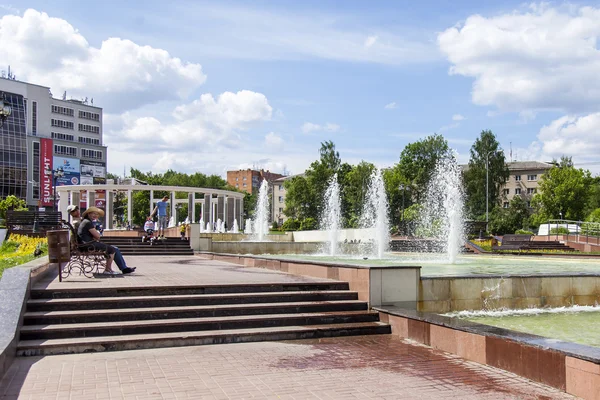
<point>58,246</point>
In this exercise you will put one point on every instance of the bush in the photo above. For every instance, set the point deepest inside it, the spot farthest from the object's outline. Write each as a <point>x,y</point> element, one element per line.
<point>275,226</point>
<point>308,224</point>
<point>523,232</point>
<point>290,225</point>
<point>561,230</point>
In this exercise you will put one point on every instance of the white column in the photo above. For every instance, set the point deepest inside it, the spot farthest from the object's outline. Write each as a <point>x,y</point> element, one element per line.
<point>151,201</point>
<point>62,204</point>
<point>108,209</point>
<point>129,208</point>
<point>173,209</point>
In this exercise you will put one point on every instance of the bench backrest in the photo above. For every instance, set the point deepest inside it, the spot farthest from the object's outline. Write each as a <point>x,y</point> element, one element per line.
<point>516,238</point>
<point>32,222</point>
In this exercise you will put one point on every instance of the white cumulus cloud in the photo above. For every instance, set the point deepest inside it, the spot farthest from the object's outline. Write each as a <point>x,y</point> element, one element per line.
<point>540,58</point>
<point>309,127</point>
<point>391,106</point>
<point>572,136</point>
<point>458,117</point>
<point>370,41</point>
<point>120,73</point>
<point>274,141</point>
<point>209,123</point>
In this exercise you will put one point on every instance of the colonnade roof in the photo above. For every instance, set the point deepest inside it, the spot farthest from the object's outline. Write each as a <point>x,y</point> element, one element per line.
<point>115,187</point>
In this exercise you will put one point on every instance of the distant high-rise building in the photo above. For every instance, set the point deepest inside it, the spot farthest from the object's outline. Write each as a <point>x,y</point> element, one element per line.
<point>42,133</point>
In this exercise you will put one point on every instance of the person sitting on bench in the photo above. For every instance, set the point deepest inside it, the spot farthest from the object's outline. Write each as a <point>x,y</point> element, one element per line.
<point>89,236</point>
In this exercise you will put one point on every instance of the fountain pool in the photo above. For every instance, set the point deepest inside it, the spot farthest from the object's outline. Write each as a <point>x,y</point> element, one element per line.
<point>577,324</point>
<point>435,264</point>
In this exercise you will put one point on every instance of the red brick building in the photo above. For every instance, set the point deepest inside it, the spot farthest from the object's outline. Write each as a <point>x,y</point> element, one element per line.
<point>249,180</point>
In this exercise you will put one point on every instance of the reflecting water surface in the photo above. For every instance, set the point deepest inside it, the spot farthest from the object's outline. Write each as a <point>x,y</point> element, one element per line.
<point>577,324</point>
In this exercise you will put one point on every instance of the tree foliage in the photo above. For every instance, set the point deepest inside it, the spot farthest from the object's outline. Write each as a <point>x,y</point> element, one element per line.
<point>562,189</point>
<point>485,150</point>
<point>11,203</point>
<point>509,220</point>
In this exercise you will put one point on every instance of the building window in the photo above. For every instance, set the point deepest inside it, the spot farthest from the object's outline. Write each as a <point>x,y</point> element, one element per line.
<point>35,183</point>
<point>529,204</point>
<point>517,178</point>
<point>244,185</point>
<point>63,136</point>
<point>34,118</point>
<point>87,140</point>
<point>237,185</point>
<point>531,190</point>
<point>237,179</point>
<point>59,123</point>
<point>95,154</point>
<point>280,187</point>
<point>63,111</point>
<point>518,191</point>
<point>532,177</point>
<point>88,128</point>
<point>89,115</point>
<point>506,191</point>
<point>65,150</point>
<point>505,205</point>
<point>280,209</point>
<point>281,199</point>
<point>244,179</point>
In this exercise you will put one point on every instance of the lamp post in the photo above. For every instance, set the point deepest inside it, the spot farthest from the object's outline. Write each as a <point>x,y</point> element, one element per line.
<point>5,110</point>
<point>57,173</point>
<point>487,189</point>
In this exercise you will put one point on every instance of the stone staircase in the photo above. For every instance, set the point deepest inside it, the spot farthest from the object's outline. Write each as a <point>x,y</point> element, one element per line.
<point>71,320</point>
<point>135,246</point>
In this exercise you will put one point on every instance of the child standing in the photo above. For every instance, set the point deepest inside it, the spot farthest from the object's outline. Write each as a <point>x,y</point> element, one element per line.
<point>182,231</point>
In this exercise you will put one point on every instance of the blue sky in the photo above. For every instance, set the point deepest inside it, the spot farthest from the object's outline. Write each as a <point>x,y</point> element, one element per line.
<point>216,86</point>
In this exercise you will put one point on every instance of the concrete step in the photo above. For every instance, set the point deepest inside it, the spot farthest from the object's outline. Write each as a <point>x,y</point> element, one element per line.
<point>41,347</point>
<point>151,313</point>
<point>74,292</point>
<point>96,303</point>
<point>120,328</point>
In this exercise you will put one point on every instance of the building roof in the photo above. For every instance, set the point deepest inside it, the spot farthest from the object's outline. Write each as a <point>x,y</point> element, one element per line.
<point>528,165</point>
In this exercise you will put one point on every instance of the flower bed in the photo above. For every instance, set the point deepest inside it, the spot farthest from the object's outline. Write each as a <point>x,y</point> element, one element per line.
<point>19,249</point>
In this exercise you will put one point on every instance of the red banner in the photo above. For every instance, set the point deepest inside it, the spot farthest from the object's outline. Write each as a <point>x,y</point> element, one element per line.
<point>46,179</point>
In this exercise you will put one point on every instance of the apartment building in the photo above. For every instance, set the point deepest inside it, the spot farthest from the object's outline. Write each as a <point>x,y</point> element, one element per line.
<point>249,180</point>
<point>523,180</point>
<point>44,133</point>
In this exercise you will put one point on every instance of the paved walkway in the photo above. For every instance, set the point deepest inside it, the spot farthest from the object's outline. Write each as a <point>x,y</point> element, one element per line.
<point>361,367</point>
<point>177,271</point>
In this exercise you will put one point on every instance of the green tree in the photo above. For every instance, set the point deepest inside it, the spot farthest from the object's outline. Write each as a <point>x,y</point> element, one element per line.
<point>418,161</point>
<point>485,148</point>
<point>304,194</point>
<point>354,188</point>
<point>11,203</point>
<point>563,189</point>
<point>511,219</point>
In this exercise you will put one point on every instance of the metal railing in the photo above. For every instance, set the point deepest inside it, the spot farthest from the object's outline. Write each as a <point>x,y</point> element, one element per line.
<point>584,232</point>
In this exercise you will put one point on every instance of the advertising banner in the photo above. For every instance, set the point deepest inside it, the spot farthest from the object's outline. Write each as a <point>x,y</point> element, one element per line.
<point>93,169</point>
<point>70,167</point>
<point>45,165</point>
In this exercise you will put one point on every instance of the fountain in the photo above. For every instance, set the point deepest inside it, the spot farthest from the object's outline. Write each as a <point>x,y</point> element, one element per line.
<point>172,222</point>
<point>208,228</point>
<point>248,228</point>
<point>201,222</point>
<point>261,213</point>
<point>375,215</point>
<point>332,213</point>
<point>442,215</point>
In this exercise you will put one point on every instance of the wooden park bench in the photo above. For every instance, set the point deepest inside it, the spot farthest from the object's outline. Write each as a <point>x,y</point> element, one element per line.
<point>84,258</point>
<point>32,223</point>
<point>513,242</point>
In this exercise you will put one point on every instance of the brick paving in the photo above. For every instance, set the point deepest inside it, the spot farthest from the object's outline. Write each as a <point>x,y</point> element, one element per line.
<point>177,271</point>
<point>359,367</point>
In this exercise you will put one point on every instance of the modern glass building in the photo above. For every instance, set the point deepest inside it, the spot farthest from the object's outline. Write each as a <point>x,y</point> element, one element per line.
<point>13,152</point>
